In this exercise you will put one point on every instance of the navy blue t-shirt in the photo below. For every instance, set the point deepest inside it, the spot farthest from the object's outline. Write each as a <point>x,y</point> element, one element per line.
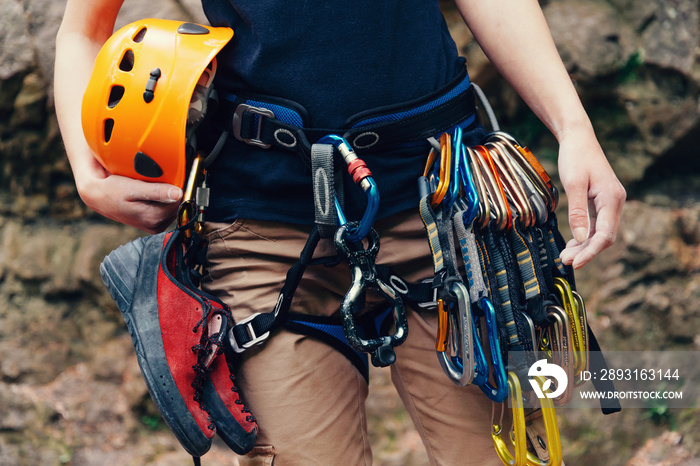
<point>335,59</point>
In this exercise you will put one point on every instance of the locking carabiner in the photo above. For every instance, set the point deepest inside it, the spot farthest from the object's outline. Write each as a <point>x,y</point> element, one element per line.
<point>363,178</point>
<point>364,276</point>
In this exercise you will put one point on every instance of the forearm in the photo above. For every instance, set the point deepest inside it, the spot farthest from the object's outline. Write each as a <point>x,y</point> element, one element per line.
<point>85,27</point>
<point>515,37</point>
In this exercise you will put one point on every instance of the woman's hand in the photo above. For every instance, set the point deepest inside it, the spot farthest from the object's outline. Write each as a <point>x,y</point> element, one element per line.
<point>595,197</point>
<point>148,206</point>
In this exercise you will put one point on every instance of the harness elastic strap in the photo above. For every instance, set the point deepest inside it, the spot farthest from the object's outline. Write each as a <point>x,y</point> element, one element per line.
<point>330,331</point>
<point>248,331</point>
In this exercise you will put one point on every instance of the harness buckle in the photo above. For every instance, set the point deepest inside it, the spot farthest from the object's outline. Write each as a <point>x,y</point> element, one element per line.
<point>238,120</point>
<point>254,339</point>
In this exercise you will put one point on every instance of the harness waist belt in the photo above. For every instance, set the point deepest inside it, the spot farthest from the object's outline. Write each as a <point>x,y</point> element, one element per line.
<point>268,121</point>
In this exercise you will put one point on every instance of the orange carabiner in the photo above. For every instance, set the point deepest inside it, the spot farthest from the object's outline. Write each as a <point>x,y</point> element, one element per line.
<point>444,175</point>
<point>441,340</point>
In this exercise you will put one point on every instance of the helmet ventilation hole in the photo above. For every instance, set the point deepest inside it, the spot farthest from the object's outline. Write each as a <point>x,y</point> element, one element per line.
<point>115,95</point>
<point>138,37</point>
<point>109,126</point>
<point>127,62</point>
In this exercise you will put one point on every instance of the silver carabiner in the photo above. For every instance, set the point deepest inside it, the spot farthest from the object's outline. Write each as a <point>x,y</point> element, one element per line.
<point>455,336</point>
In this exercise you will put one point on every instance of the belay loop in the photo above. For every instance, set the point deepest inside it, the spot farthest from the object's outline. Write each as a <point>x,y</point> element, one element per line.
<point>364,276</point>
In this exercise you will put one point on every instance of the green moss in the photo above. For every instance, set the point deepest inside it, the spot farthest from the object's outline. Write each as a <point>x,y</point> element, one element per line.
<point>628,71</point>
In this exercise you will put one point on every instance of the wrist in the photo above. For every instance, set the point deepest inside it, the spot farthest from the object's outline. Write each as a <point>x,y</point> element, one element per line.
<point>575,129</point>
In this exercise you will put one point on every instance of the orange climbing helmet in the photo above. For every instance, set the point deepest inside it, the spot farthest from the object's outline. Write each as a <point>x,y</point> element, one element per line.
<point>147,95</point>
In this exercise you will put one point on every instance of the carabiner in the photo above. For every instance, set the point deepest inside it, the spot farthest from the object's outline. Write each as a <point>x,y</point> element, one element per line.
<point>499,393</point>
<point>531,160</point>
<point>556,342</point>
<point>512,184</point>
<point>471,192</point>
<point>519,438</point>
<point>453,187</point>
<point>457,338</point>
<point>551,426</point>
<point>535,189</point>
<point>364,276</point>
<point>500,210</point>
<point>363,178</point>
<point>583,318</point>
<point>188,209</point>
<point>484,216</point>
<point>565,294</point>
<point>481,365</point>
<point>444,172</point>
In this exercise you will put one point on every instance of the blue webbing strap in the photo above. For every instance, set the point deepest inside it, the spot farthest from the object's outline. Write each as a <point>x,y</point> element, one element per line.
<point>371,131</point>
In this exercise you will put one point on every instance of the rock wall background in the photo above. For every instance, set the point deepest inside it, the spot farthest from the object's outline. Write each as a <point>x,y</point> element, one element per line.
<point>70,388</point>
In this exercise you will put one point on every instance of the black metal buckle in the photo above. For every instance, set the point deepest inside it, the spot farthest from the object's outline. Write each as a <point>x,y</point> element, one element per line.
<point>237,120</point>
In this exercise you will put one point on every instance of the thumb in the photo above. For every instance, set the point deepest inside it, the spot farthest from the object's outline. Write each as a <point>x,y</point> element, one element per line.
<point>578,211</point>
<point>155,192</point>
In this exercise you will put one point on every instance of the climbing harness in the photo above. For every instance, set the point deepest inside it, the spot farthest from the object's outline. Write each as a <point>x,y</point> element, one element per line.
<point>267,122</point>
<point>488,210</point>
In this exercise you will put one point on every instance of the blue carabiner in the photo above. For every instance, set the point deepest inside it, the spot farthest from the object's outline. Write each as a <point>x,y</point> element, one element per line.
<point>499,393</point>
<point>470,190</point>
<point>481,365</point>
<point>365,182</point>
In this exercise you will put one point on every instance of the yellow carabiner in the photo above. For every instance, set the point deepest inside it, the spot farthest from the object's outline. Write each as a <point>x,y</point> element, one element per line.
<point>551,426</point>
<point>583,318</point>
<point>519,439</point>
<point>565,293</point>
<point>185,214</point>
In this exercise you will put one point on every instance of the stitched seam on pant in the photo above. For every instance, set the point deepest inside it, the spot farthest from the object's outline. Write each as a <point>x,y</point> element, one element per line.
<point>416,416</point>
<point>363,418</point>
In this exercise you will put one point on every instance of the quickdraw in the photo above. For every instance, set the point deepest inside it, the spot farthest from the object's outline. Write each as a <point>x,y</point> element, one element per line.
<point>494,203</point>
